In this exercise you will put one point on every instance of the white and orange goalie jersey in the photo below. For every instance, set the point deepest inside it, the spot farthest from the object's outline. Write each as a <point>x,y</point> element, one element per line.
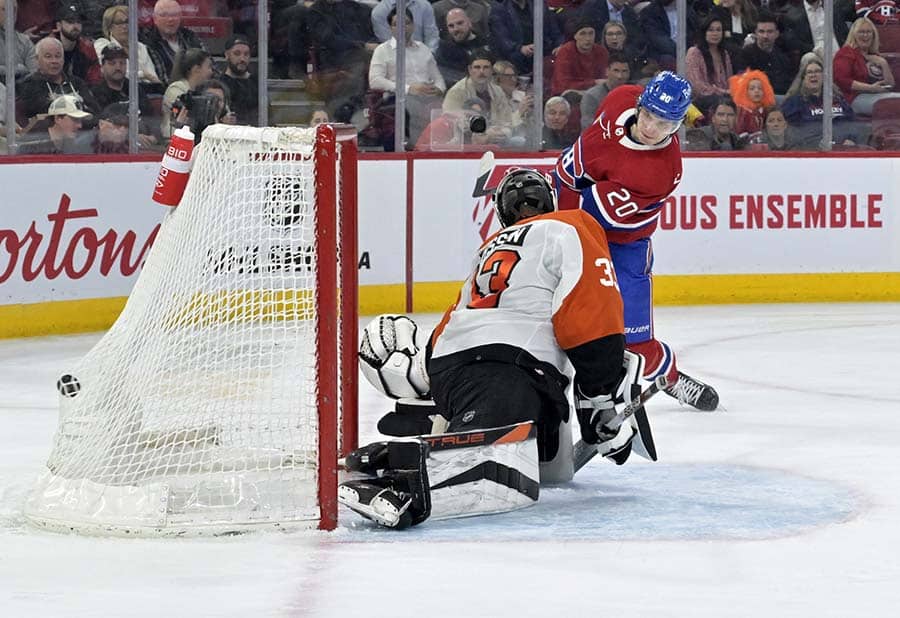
<point>543,285</point>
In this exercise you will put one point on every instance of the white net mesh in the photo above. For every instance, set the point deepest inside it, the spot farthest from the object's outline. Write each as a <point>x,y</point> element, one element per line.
<point>196,412</point>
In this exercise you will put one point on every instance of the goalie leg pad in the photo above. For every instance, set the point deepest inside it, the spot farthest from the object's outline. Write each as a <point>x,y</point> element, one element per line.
<point>449,475</point>
<point>483,471</point>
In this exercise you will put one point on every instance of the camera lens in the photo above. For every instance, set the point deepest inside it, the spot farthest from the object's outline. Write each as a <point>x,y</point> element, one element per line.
<point>478,124</point>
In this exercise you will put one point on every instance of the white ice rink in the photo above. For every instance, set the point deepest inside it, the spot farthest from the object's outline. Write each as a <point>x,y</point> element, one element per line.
<point>787,504</point>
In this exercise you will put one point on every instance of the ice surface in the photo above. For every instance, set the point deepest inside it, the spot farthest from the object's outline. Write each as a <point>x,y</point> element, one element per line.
<point>786,504</point>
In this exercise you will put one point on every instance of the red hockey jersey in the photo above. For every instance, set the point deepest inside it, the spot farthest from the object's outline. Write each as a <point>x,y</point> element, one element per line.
<point>627,180</point>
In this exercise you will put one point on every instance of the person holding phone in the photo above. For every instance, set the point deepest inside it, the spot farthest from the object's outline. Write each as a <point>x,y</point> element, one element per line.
<point>860,71</point>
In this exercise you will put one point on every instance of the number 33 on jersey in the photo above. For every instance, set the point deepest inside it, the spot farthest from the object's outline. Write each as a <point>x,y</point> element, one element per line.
<point>545,285</point>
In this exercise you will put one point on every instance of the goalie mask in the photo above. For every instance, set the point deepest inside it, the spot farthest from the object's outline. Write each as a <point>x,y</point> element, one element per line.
<point>392,357</point>
<point>523,193</point>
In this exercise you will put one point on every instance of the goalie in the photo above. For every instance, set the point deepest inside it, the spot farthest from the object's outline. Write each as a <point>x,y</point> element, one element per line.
<point>541,299</point>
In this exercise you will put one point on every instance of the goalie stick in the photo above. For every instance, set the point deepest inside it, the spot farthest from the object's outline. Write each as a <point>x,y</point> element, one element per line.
<point>485,169</point>
<point>584,452</point>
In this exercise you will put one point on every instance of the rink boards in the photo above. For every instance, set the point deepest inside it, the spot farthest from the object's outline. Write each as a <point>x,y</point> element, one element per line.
<point>752,229</point>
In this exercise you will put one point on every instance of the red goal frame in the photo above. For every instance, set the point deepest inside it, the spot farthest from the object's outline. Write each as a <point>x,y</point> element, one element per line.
<point>337,307</point>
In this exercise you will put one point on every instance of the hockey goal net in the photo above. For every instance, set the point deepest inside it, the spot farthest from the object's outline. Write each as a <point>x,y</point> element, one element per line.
<point>220,398</point>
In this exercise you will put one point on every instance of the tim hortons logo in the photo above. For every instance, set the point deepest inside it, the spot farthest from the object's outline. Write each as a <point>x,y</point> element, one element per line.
<point>483,211</point>
<point>34,255</point>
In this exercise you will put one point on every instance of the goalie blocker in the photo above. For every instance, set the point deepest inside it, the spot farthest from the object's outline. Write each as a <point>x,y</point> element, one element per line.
<point>444,476</point>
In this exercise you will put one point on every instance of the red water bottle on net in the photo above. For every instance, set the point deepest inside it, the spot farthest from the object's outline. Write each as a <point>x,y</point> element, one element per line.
<point>175,168</point>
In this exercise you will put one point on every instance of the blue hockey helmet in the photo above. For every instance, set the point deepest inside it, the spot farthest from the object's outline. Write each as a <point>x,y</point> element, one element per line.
<point>667,95</point>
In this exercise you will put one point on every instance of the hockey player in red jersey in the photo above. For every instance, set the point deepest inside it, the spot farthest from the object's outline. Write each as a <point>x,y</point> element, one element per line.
<point>541,300</point>
<point>630,159</point>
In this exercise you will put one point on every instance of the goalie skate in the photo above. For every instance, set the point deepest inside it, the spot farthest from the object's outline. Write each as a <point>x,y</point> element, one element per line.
<point>694,393</point>
<point>374,499</point>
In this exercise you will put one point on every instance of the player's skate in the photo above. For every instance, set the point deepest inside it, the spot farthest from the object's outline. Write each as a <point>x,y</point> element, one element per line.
<point>377,499</point>
<point>694,393</point>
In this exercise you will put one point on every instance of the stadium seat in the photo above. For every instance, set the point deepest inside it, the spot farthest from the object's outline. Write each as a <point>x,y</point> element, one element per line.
<point>889,38</point>
<point>893,60</point>
<point>886,124</point>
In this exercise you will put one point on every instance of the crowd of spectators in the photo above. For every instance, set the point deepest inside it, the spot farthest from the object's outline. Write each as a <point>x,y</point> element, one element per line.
<point>756,67</point>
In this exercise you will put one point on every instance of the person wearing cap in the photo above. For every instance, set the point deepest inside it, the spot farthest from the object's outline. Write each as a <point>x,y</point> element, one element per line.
<point>35,92</point>
<point>113,87</point>
<point>62,134</point>
<point>111,135</point>
<point>243,87</point>
<point>114,28</point>
<point>24,61</point>
<point>580,62</point>
<point>167,38</point>
<point>80,57</point>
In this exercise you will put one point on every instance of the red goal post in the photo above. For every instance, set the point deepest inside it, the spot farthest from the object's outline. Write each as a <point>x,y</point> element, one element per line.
<point>221,398</point>
<point>336,189</point>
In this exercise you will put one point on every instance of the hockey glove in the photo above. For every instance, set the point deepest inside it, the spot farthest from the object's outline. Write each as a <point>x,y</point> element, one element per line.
<point>600,426</point>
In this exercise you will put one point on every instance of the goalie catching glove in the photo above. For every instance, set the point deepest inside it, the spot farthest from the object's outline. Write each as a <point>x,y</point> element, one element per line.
<point>597,416</point>
<point>392,357</point>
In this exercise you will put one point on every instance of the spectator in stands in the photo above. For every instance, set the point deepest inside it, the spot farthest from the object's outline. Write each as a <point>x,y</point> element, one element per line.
<point>342,40</point>
<point>36,18</point>
<point>708,64</point>
<point>621,12</point>
<point>192,68</point>
<point>24,61</point>
<point>61,135</point>
<point>453,50</point>
<point>425,29</point>
<point>719,134</point>
<point>216,88</point>
<point>580,63</point>
<point>453,130</point>
<point>804,108</point>
<point>753,94</point>
<point>618,72</point>
<point>776,134</point>
<point>862,74</point>
<point>80,58</point>
<point>517,89</point>
<point>167,38</point>
<point>766,55</point>
<point>512,33</point>
<point>114,29</point>
<point>476,10</point>
<point>92,12</point>
<point>615,38</point>
<point>35,92</point>
<point>243,87</point>
<point>570,14</point>
<point>495,103</point>
<point>804,25</point>
<point>658,23</point>
<point>425,85</point>
<point>111,135</point>
<point>555,135</point>
<point>114,89</point>
<point>319,116</point>
<point>739,20</point>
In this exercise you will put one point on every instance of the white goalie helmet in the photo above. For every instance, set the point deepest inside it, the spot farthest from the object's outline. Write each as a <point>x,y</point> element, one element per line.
<point>392,357</point>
